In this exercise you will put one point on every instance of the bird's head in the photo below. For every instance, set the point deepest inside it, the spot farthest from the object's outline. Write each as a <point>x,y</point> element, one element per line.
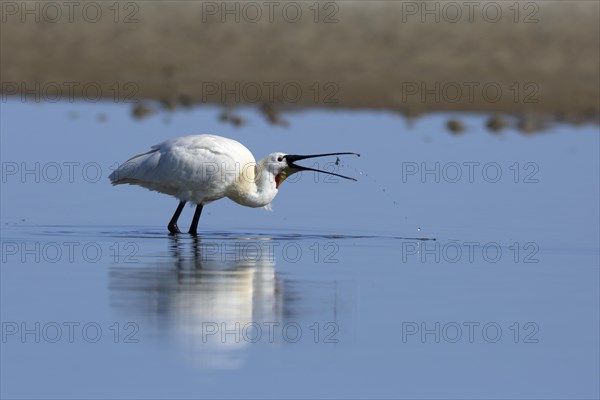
<point>282,165</point>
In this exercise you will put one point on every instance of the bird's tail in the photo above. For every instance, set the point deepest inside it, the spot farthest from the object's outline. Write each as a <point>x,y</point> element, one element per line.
<point>130,171</point>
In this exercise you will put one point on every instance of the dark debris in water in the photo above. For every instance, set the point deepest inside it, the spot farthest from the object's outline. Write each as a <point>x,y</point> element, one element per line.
<point>272,115</point>
<point>235,120</point>
<point>496,123</point>
<point>530,124</point>
<point>141,111</point>
<point>455,126</point>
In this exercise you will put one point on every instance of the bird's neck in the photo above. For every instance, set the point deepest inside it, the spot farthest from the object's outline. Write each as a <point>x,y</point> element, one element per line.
<point>256,191</point>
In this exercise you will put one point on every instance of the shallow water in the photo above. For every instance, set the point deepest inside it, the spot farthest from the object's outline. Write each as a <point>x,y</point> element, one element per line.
<point>429,289</point>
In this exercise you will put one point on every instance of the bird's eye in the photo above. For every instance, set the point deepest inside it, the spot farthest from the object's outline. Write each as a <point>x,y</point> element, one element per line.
<point>280,159</point>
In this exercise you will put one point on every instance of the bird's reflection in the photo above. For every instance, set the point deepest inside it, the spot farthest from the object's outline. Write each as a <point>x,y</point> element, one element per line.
<point>214,296</point>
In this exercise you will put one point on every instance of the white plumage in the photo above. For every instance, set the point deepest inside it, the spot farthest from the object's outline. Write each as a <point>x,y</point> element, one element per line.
<point>198,169</point>
<point>204,168</point>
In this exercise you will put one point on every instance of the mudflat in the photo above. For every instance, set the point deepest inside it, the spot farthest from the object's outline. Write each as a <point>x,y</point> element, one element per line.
<point>411,57</point>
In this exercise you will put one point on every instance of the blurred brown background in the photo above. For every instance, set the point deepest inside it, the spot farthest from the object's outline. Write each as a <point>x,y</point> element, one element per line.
<point>410,57</point>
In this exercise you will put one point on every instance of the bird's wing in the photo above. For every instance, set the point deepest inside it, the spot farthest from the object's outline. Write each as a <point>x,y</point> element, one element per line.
<point>204,164</point>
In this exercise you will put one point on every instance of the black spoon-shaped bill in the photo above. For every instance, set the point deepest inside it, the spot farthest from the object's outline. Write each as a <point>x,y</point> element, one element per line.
<point>292,158</point>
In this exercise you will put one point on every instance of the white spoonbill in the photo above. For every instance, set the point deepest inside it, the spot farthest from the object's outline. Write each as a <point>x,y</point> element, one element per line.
<point>204,168</point>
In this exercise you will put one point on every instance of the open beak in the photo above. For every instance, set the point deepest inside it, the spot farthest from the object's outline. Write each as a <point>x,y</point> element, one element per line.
<point>292,158</point>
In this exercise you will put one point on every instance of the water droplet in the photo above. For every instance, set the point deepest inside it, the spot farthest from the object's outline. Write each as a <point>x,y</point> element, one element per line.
<point>419,229</point>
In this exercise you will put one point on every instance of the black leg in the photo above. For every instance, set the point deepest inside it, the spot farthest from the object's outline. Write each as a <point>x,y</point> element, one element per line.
<point>173,223</point>
<point>194,226</point>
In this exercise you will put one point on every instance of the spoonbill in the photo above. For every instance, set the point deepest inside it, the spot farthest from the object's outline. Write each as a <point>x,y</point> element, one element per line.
<point>203,168</point>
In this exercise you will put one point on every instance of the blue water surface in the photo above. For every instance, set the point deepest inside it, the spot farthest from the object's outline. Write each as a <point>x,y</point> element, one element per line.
<point>458,266</point>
